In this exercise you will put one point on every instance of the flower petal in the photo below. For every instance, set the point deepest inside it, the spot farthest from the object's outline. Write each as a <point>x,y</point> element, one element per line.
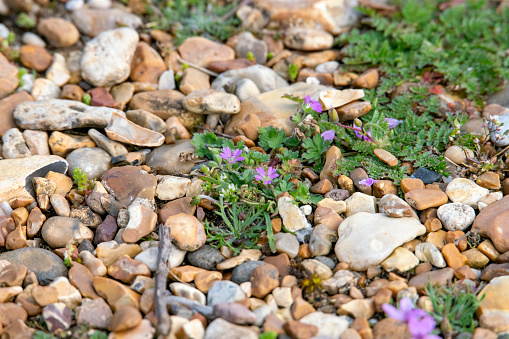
<point>258,177</point>
<point>405,304</point>
<point>393,312</point>
<point>260,171</point>
<point>419,327</point>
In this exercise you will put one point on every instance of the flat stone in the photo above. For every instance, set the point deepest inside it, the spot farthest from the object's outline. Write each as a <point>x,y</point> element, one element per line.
<point>147,120</point>
<point>363,246</point>
<point>177,158</point>
<point>422,199</point>
<point>109,255</point>
<point>360,202</point>
<point>427,251</point>
<point>395,207</point>
<point>306,39</point>
<point>107,58</point>
<point>221,328</point>
<point>8,77</point>
<point>147,65</point>
<point>202,51</point>
<point>493,311</point>
<point>491,223</point>
<point>95,313</point>
<point>337,98</point>
<point>62,144</point>
<point>224,291</point>
<point>171,187</point>
<point>67,293</point>
<point>59,32</point>
<point>142,221</point>
<point>37,142</point>
<point>91,21</point>
<point>115,293</point>
<point>129,183</point>
<point>56,114</point>
<point>208,101</point>
<point>123,130</point>
<point>442,277</point>
<point>35,57</point>
<point>465,191</point>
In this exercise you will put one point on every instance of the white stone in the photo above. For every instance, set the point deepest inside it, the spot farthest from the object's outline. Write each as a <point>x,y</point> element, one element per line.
<point>336,206</point>
<point>329,325</point>
<point>499,137</point>
<point>465,191</point>
<point>209,101</point>
<point>496,197</point>
<point>360,202</point>
<point>45,89</point>
<point>74,5</point>
<point>367,239</point>
<point>107,58</point>
<point>29,38</point>
<point>293,218</point>
<point>456,216</point>
<point>427,251</point>
<point>327,67</point>
<point>58,71</point>
<point>221,328</point>
<point>99,3</point>
<point>67,293</point>
<point>167,80</point>
<point>186,291</point>
<point>28,83</point>
<point>170,187</point>
<point>264,78</point>
<point>149,257</point>
<point>341,282</point>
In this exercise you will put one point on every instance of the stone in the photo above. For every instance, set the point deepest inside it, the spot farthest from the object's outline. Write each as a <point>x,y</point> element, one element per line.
<point>112,147</point>
<point>293,218</point>
<point>286,243</point>
<point>337,98</point>
<point>427,251</point>
<point>58,32</point>
<point>62,144</point>
<point>202,51</point>
<point>395,207</point>
<point>320,242</point>
<point>341,282</point>
<point>401,260</point>
<point>491,223</point>
<point>123,130</point>
<point>493,312</point>
<point>106,58</point>
<point>264,78</point>
<point>204,280</point>
<point>46,265</point>
<point>206,257</point>
<point>220,328</point>
<point>81,278</point>
<point>427,176</point>
<point>95,313</point>
<point>67,293</point>
<point>106,230</point>
<point>171,187</point>
<point>453,257</point>
<point>489,180</point>
<point>143,330</point>
<point>9,103</point>
<point>57,317</point>
<point>264,279</point>
<point>442,277</point>
<point>14,146</point>
<point>188,292</point>
<point>493,271</point>
<point>37,142</point>
<point>476,259</point>
<point>465,191</point>
<point>298,330</point>
<point>193,80</point>
<point>35,57</point>
<point>115,293</point>
<point>165,103</point>
<point>167,80</point>
<point>208,101</point>
<point>488,249</point>
<point>125,318</point>
<point>363,246</point>
<point>242,273</point>
<point>300,308</point>
<point>360,202</point>
<point>109,255</point>
<point>224,291</point>
<point>126,269</point>
<point>422,199</point>
<point>58,71</point>
<point>8,77</point>
<point>60,231</point>
<point>57,115</point>
<point>187,231</point>
<point>45,89</point>
<point>147,65</point>
<point>92,21</point>
<point>456,216</point>
<point>147,120</point>
<point>10,312</point>
<point>306,39</point>
<point>95,265</point>
<point>12,275</point>
<point>129,183</point>
<point>386,157</point>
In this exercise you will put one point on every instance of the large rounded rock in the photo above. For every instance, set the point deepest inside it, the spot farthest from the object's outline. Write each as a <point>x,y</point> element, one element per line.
<point>107,58</point>
<point>128,183</point>
<point>93,161</point>
<point>177,158</point>
<point>46,265</point>
<point>60,231</point>
<point>59,32</point>
<point>367,239</point>
<point>59,115</point>
<point>492,223</point>
<point>92,21</point>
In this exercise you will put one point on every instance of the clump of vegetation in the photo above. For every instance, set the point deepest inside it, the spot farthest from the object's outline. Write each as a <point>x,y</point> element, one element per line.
<point>464,45</point>
<point>453,308</point>
<point>188,18</point>
<point>81,180</point>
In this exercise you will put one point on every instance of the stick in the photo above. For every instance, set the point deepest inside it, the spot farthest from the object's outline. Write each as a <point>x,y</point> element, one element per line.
<point>203,69</point>
<point>160,308</point>
<point>234,10</point>
<point>193,305</point>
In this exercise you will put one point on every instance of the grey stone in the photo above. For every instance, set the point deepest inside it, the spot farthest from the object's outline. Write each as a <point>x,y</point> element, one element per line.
<point>94,21</point>
<point>242,273</point>
<point>206,257</point>
<point>93,161</point>
<point>178,158</point>
<point>264,78</point>
<point>113,148</point>
<point>46,265</point>
<point>14,146</point>
<point>60,231</point>
<point>224,291</point>
<point>326,261</point>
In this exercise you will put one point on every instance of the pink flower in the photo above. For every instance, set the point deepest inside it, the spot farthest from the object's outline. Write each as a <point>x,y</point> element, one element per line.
<point>393,122</point>
<point>231,157</point>
<point>367,182</point>
<point>266,177</point>
<point>328,135</point>
<point>420,326</point>
<point>315,105</point>
<point>367,134</point>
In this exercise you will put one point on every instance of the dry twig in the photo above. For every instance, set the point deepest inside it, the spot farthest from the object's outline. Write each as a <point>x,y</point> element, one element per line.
<point>163,267</point>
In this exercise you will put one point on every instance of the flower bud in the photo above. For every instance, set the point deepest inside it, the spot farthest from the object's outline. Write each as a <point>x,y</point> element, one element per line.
<point>217,158</point>
<point>357,122</point>
<point>333,115</point>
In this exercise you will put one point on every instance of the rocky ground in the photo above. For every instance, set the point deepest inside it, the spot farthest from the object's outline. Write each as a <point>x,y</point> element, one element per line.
<point>114,133</point>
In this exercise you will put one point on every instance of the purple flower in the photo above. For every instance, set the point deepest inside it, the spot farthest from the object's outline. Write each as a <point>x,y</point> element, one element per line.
<point>266,177</point>
<point>369,182</point>
<point>328,135</point>
<point>315,105</point>
<point>420,326</point>
<point>231,157</point>
<point>393,122</point>
<point>365,137</point>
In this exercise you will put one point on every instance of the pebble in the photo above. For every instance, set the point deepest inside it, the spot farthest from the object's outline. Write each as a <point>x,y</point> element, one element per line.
<point>202,51</point>
<point>442,277</point>
<point>220,328</point>
<point>59,32</point>
<point>328,325</point>
<point>166,160</point>
<point>45,89</point>
<point>122,130</point>
<point>476,259</point>
<point>92,22</point>
<point>458,155</point>
<point>67,293</point>
<point>493,310</point>
<point>167,80</point>
<point>456,216</point>
<point>242,272</point>
<point>107,58</point>
<point>29,38</point>
<point>14,146</point>
<point>313,266</point>
<point>306,39</point>
<point>465,191</point>
<point>35,57</point>
<point>427,176</point>
<point>193,80</point>
<point>427,251</point>
<point>320,242</point>
<point>147,65</point>
<point>224,291</point>
<point>362,246</point>
<point>293,218</point>
<point>115,293</point>
<point>208,101</point>
<point>400,260</point>
<point>37,142</point>
<point>421,199</point>
<point>57,317</point>
<point>187,231</point>
<point>171,187</point>
<point>265,78</point>
<point>360,203</point>
<point>125,318</point>
<point>246,43</point>
<point>489,180</point>
<point>147,120</point>
<point>491,223</point>
<point>94,312</point>
<point>234,313</point>
<point>206,257</point>
<point>367,80</point>
<point>286,243</point>
<point>395,207</point>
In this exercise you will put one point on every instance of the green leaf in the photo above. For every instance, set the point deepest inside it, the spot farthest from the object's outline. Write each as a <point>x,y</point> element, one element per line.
<point>270,137</point>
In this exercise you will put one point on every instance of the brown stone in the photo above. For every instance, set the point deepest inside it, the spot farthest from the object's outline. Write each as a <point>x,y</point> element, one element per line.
<point>332,155</point>
<point>442,277</point>
<point>300,308</point>
<point>409,184</point>
<point>489,180</point>
<point>202,51</point>
<point>101,97</point>
<point>281,262</point>
<point>45,295</point>
<point>81,278</point>
<point>464,272</point>
<point>115,293</point>
<point>147,64</point>
<point>326,216</point>
<point>187,231</point>
<point>128,183</point>
<point>384,187</point>
<point>16,239</point>
<point>35,57</point>
<point>72,92</point>
<point>59,32</point>
<point>221,66</point>
<point>304,251</point>
<point>10,312</point>
<point>12,275</point>
<point>368,79</point>
<point>476,259</point>
<point>8,81</point>
<point>386,157</point>
<point>422,199</point>
<point>264,279</point>
<point>186,273</point>
<point>62,144</point>
<point>353,110</point>
<point>382,296</point>
<point>204,280</point>
<point>390,328</point>
<point>321,187</point>
<point>8,104</point>
<point>453,256</point>
<point>494,270</point>
<point>109,255</point>
<point>142,221</point>
<point>452,236</point>
<point>491,223</point>
<point>124,318</point>
<point>174,207</point>
<point>298,330</point>
<point>484,333</point>
<point>433,224</point>
<point>487,248</point>
<point>437,238</point>
<point>324,78</point>
<point>193,80</point>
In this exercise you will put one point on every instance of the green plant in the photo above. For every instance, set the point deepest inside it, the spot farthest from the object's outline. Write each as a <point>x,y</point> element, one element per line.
<point>312,283</point>
<point>462,45</point>
<point>81,180</point>
<point>293,71</point>
<point>250,56</point>
<point>188,18</point>
<point>42,335</point>
<point>268,335</point>
<point>243,224</point>
<point>453,308</point>
<point>23,20</point>
<point>87,99</point>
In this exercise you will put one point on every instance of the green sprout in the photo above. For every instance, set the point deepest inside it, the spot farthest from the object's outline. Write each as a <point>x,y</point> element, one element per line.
<point>81,180</point>
<point>87,99</point>
<point>293,71</point>
<point>25,21</point>
<point>250,56</point>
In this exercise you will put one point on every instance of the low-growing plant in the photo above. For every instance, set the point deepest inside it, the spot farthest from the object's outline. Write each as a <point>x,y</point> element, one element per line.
<point>87,99</point>
<point>293,71</point>
<point>453,308</point>
<point>81,180</point>
<point>268,335</point>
